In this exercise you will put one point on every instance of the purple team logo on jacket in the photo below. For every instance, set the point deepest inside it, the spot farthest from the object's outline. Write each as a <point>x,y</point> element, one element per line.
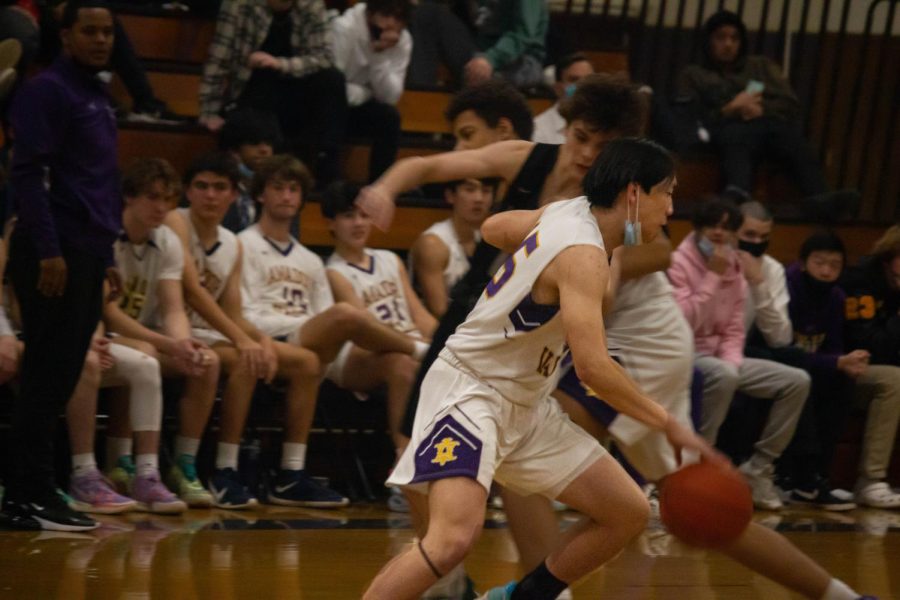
<point>449,450</point>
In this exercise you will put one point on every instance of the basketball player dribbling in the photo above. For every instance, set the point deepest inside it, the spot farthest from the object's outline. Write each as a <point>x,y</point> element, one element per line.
<point>485,413</point>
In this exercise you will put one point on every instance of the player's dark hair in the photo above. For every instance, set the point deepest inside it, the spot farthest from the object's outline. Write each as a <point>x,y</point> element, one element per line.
<point>218,162</point>
<point>607,102</point>
<point>249,126</point>
<point>567,61</point>
<point>142,173</point>
<point>281,167</point>
<point>710,212</point>
<point>822,240</point>
<point>623,161</point>
<point>70,12</point>
<point>494,100</point>
<point>399,9</point>
<point>491,182</point>
<point>338,198</point>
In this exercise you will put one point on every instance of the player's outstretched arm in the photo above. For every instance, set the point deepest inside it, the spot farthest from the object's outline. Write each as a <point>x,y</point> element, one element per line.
<point>503,160</point>
<point>508,229</point>
<point>425,322</point>
<point>429,259</point>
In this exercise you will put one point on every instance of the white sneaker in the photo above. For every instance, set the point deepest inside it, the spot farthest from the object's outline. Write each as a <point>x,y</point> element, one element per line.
<point>878,495</point>
<point>762,486</point>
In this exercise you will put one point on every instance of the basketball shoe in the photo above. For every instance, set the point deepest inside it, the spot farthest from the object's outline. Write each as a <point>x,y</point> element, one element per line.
<point>228,491</point>
<point>183,480</point>
<point>296,488</point>
<point>504,592</point>
<point>154,497</point>
<point>92,493</point>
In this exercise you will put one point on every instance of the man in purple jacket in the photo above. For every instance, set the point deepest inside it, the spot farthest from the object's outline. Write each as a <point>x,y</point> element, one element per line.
<point>66,189</point>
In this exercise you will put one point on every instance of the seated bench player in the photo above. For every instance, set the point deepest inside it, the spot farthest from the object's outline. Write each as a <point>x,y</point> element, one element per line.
<point>214,272</point>
<point>375,280</point>
<point>285,290</point>
<point>440,255</point>
<point>152,310</point>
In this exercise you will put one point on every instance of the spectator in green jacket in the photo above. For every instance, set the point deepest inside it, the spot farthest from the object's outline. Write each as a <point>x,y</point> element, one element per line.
<point>481,39</point>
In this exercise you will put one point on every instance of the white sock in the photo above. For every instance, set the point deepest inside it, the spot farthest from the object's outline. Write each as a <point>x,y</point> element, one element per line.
<point>146,465</point>
<point>420,349</point>
<point>82,464</point>
<point>293,456</point>
<point>227,456</point>
<point>838,590</point>
<point>116,447</point>
<point>186,445</point>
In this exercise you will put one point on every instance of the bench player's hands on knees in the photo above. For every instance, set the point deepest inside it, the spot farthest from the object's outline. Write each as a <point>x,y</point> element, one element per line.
<point>189,356</point>
<point>683,438</point>
<point>253,358</point>
<point>101,345</point>
<point>52,279</point>
<point>377,204</point>
<point>271,359</point>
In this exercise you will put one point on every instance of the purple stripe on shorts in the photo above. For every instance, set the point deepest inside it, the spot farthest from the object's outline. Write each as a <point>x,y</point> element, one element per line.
<point>449,450</point>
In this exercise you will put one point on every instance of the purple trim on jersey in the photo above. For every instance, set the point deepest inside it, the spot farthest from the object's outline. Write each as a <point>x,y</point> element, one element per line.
<point>371,268</point>
<point>449,450</point>
<point>529,315</point>
<point>275,245</point>
<point>600,410</point>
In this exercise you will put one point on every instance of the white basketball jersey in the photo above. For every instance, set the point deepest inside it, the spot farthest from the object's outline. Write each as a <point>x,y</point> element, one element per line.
<point>380,287</point>
<point>508,341</point>
<point>282,284</point>
<point>214,264</point>
<point>142,267</point>
<point>458,263</point>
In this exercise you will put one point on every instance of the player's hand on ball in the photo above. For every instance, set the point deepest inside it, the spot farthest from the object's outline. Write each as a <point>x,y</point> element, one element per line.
<point>377,204</point>
<point>682,438</point>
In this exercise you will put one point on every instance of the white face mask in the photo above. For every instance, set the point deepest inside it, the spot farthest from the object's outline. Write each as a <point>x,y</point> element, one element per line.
<point>633,228</point>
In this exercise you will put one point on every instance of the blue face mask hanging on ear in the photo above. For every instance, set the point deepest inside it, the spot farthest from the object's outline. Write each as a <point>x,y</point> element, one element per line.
<point>633,228</point>
<point>569,90</point>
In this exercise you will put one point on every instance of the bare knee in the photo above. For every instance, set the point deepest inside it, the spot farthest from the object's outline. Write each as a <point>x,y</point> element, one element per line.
<point>344,316</point>
<point>447,545</point>
<point>91,371</point>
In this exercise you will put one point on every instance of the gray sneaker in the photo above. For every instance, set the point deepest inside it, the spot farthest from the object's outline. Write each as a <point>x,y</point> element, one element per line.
<point>762,486</point>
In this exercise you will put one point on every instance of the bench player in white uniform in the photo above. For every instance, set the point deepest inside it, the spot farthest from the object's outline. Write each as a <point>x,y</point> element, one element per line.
<point>374,280</point>
<point>152,310</point>
<point>440,255</point>
<point>284,286</point>
<point>485,411</point>
<point>210,188</point>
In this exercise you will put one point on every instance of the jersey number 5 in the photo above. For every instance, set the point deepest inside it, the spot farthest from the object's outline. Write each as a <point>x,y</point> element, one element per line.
<point>509,267</point>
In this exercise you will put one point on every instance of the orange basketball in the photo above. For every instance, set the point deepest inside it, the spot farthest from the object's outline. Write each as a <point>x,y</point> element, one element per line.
<point>705,505</point>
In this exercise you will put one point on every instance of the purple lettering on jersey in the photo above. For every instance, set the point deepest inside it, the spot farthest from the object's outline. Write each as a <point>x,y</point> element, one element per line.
<point>509,266</point>
<point>449,450</point>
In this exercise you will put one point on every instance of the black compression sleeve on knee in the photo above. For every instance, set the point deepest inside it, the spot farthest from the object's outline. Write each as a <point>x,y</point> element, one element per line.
<point>428,561</point>
<point>538,585</point>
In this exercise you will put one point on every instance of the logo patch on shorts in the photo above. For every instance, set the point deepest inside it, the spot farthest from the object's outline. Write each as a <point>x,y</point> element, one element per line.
<point>449,450</point>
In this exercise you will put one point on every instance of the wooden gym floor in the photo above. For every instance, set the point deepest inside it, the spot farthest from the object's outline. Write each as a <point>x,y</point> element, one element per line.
<point>315,554</point>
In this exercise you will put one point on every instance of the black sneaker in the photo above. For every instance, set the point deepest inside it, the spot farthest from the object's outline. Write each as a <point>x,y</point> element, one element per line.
<point>821,498</point>
<point>296,488</point>
<point>13,518</point>
<point>52,514</point>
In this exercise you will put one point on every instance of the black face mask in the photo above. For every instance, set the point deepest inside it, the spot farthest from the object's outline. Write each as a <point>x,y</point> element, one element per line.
<point>818,286</point>
<point>375,32</point>
<point>757,249</point>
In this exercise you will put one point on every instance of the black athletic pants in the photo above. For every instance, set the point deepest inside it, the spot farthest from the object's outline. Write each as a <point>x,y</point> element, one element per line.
<point>57,334</point>
<point>742,144</point>
<point>379,122</point>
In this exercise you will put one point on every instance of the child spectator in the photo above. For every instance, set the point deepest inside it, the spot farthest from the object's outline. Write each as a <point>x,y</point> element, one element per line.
<point>550,126</point>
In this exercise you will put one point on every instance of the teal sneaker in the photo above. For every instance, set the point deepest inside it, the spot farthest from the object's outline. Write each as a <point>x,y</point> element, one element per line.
<point>504,592</point>
<point>184,482</point>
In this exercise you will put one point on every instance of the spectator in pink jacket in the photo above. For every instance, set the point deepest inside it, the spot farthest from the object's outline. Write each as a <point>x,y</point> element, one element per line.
<point>711,290</point>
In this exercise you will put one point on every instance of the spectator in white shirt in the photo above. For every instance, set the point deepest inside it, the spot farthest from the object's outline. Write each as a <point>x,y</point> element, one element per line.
<point>766,305</point>
<point>549,126</point>
<point>372,47</point>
